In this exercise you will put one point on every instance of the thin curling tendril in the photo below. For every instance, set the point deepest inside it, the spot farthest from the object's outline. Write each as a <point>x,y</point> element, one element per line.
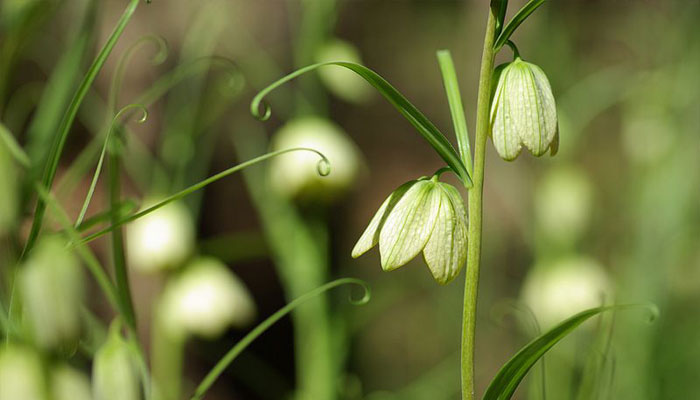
<point>239,347</point>
<point>158,58</point>
<point>182,71</point>
<point>200,185</point>
<point>125,111</point>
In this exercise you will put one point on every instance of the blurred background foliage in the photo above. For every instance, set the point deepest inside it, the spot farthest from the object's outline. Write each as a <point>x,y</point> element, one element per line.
<point>614,217</point>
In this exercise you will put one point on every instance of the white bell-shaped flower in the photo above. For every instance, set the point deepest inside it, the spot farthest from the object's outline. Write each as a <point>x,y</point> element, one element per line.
<point>52,291</point>
<point>557,290</point>
<point>204,300</point>
<point>114,369</point>
<point>523,111</point>
<point>21,375</point>
<point>161,240</point>
<point>426,216</point>
<point>340,81</point>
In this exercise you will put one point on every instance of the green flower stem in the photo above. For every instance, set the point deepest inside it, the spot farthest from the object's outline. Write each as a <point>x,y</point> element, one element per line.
<point>475,210</point>
<point>120,273</point>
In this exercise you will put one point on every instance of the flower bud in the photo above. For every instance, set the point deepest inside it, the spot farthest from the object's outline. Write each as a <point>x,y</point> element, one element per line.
<point>162,239</point>
<point>523,111</point>
<point>558,290</point>
<point>295,174</point>
<point>21,375</point>
<point>422,215</point>
<point>204,300</point>
<point>69,384</point>
<point>340,81</point>
<point>52,291</point>
<point>114,371</point>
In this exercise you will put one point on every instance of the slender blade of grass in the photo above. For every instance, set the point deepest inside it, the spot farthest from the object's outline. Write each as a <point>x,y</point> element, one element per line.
<point>423,125</point>
<point>514,23</point>
<point>69,117</point>
<point>512,373</point>
<point>454,98</point>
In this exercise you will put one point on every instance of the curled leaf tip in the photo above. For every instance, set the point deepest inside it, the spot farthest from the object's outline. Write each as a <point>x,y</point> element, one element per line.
<point>260,109</point>
<point>323,167</point>
<point>366,293</point>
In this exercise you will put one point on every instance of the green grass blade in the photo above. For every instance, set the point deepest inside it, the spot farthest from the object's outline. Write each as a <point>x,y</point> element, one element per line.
<point>228,358</point>
<point>323,169</point>
<point>13,147</point>
<point>501,6</point>
<point>419,121</point>
<point>100,161</point>
<point>514,23</point>
<point>69,117</point>
<point>512,373</point>
<point>454,98</point>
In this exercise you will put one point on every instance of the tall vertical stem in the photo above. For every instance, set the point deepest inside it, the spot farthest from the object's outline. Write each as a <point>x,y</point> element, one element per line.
<point>475,210</point>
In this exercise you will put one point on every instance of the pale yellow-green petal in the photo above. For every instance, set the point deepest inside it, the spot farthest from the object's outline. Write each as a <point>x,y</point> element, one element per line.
<point>408,226</point>
<point>370,236</point>
<point>503,122</point>
<point>446,250</point>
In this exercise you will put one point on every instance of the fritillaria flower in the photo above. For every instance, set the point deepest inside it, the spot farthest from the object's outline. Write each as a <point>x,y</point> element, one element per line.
<point>423,215</point>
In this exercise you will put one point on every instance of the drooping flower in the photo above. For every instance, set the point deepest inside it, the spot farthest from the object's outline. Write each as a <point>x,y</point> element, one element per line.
<point>52,290</point>
<point>523,111</point>
<point>204,300</point>
<point>161,240</point>
<point>423,215</point>
<point>114,370</point>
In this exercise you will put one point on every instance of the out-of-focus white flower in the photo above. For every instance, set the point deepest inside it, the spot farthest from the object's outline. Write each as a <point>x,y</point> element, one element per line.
<point>9,201</point>
<point>114,371</point>
<point>162,239</point>
<point>52,292</point>
<point>558,290</point>
<point>295,174</point>
<point>69,384</point>
<point>340,81</point>
<point>523,111</point>
<point>647,134</point>
<point>563,203</point>
<point>21,375</point>
<point>204,300</point>
<point>420,216</point>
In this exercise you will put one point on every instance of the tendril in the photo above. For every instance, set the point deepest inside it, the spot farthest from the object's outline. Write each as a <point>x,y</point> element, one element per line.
<point>158,58</point>
<point>198,186</point>
<point>116,120</point>
<point>182,71</point>
<point>239,347</point>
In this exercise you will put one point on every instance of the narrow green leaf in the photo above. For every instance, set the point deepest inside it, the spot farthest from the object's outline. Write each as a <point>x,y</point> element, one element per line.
<point>13,147</point>
<point>322,167</point>
<point>512,373</point>
<point>514,23</point>
<point>238,348</point>
<point>454,98</point>
<point>419,121</point>
<point>501,7</point>
<point>69,117</point>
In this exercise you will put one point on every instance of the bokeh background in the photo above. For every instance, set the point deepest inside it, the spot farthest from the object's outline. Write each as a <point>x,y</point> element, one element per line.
<point>614,217</point>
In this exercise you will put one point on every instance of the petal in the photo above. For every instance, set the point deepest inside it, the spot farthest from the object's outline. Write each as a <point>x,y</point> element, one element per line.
<point>539,112</point>
<point>408,226</point>
<point>446,250</point>
<point>504,130</point>
<point>370,237</point>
